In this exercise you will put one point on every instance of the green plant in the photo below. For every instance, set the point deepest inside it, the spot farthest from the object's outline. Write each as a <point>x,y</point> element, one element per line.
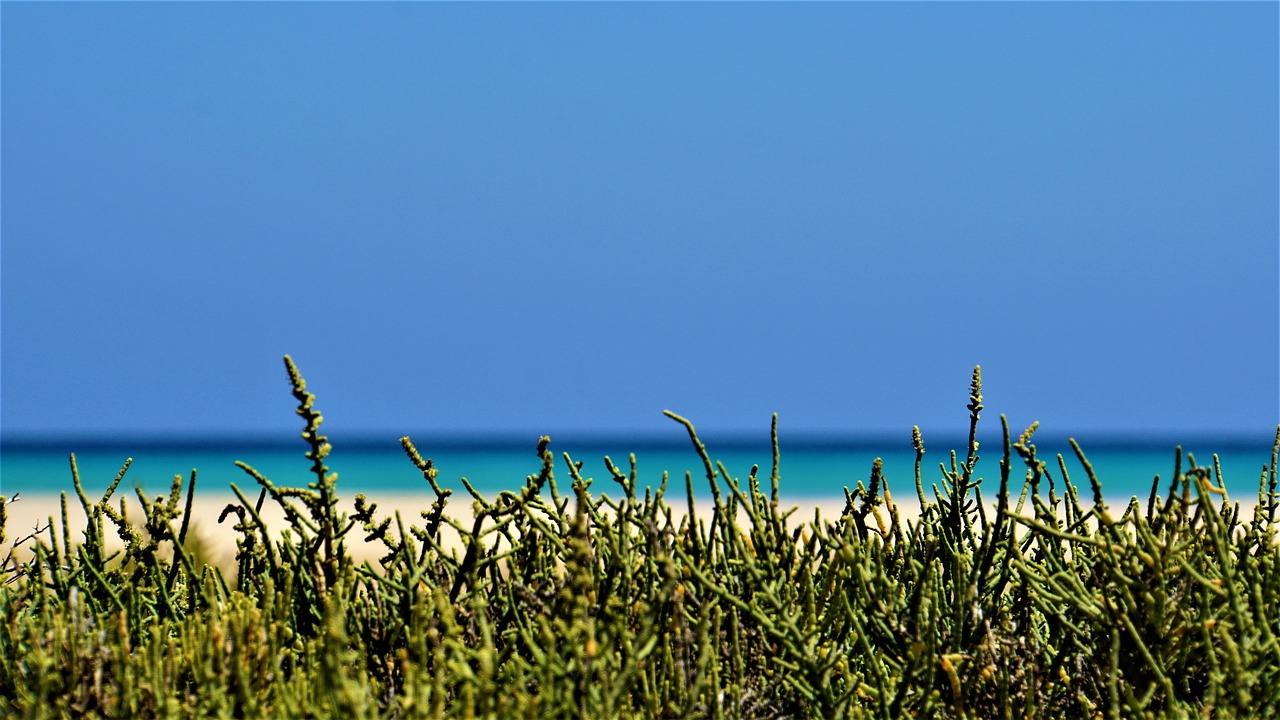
<point>602,602</point>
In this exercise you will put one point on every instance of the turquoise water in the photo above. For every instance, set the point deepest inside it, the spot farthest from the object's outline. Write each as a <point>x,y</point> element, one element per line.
<point>812,470</point>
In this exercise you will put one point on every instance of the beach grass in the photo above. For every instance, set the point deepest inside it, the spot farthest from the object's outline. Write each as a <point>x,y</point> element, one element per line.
<point>1019,596</point>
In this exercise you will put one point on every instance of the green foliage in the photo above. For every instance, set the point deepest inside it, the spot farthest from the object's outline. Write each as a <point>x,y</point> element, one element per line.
<point>592,605</point>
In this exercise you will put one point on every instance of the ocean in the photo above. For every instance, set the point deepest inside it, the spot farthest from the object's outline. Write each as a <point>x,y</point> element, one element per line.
<point>810,468</point>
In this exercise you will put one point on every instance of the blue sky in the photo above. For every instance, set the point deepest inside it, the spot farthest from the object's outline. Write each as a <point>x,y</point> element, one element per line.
<point>515,218</point>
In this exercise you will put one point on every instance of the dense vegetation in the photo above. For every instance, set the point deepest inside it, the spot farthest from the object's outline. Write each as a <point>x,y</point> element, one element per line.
<point>600,603</point>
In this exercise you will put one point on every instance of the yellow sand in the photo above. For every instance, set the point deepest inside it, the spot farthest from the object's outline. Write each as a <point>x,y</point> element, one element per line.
<point>219,539</point>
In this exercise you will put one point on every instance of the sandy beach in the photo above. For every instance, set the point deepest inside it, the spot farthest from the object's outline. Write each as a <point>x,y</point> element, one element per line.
<point>218,540</point>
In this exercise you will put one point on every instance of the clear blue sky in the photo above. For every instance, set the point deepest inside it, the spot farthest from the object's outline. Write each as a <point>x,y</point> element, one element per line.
<point>494,217</point>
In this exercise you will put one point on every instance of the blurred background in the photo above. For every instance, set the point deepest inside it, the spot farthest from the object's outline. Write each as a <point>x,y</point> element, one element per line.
<point>478,223</point>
